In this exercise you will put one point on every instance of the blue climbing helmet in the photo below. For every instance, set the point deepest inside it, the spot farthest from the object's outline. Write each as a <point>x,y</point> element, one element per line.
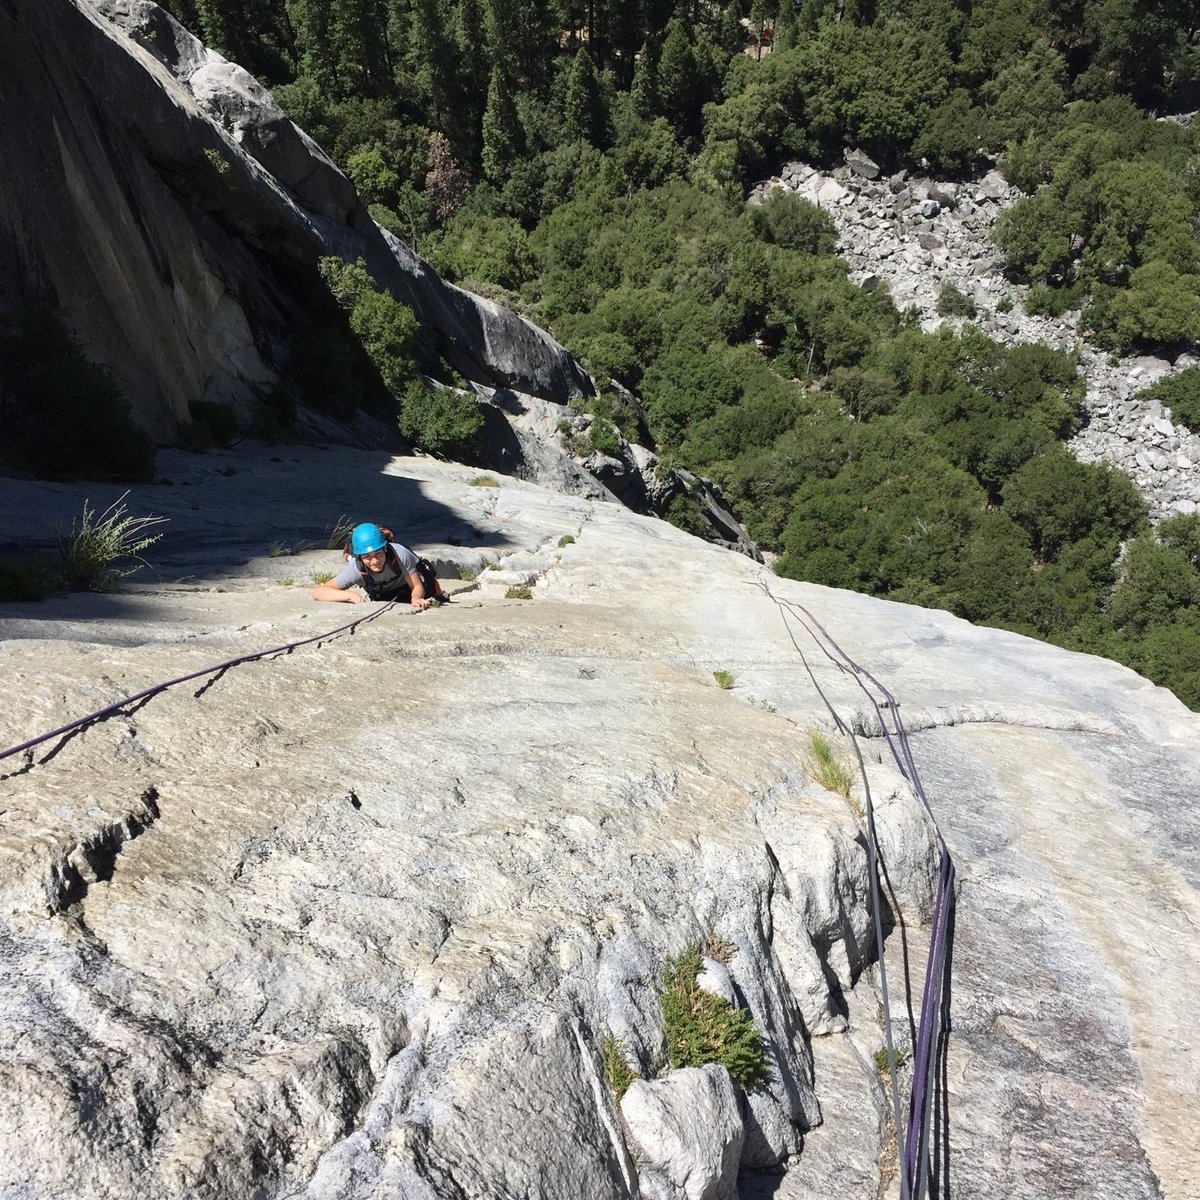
<point>366,539</point>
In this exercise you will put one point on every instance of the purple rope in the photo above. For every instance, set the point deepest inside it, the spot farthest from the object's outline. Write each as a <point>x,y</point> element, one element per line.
<point>110,709</point>
<point>916,1146</point>
<point>919,1099</point>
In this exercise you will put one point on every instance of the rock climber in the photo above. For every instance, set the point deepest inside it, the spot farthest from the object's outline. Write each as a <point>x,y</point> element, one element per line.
<point>384,569</point>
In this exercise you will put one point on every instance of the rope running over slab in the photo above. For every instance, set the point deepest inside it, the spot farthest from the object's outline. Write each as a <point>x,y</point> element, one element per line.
<point>915,1157</point>
<point>109,710</point>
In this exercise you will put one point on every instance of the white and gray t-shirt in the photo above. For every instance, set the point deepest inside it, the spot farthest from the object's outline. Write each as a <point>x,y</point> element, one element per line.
<point>350,575</point>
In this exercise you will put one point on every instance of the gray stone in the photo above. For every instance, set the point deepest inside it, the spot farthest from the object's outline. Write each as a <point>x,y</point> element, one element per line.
<point>862,165</point>
<point>992,187</point>
<point>714,977</point>
<point>946,194</point>
<point>831,192</point>
<point>688,1127</point>
<point>930,208</point>
<point>771,1138</point>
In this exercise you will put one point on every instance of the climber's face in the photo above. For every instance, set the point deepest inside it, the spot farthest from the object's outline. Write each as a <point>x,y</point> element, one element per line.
<point>374,561</point>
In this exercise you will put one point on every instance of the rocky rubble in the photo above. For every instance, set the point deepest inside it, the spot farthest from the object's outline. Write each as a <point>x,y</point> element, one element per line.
<point>916,235</point>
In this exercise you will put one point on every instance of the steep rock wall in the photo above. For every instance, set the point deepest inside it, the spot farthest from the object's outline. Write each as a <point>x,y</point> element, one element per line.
<point>158,196</point>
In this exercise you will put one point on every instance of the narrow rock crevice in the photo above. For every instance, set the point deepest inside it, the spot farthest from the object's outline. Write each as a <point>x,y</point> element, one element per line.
<point>93,859</point>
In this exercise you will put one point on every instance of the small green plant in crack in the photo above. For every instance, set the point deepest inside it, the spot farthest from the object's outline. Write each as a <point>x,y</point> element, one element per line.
<point>618,1071</point>
<point>287,581</point>
<point>880,1058</point>
<point>824,765</point>
<point>320,577</point>
<point>519,593</point>
<point>468,573</point>
<point>724,679</point>
<point>566,540</point>
<point>217,162</point>
<point>701,1027</point>
<point>484,481</point>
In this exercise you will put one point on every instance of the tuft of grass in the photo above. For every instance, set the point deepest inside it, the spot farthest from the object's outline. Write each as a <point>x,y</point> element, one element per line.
<point>519,593</point>
<point>339,533</point>
<point>701,1028</point>
<point>880,1059</point>
<point>566,540</point>
<point>491,566</point>
<point>620,1074</point>
<point>90,551</point>
<point>825,766</point>
<point>724,679</point>
<point>468,573</point>
<point>320,577</point>
<point>484,481</point>
<point>286,581</point>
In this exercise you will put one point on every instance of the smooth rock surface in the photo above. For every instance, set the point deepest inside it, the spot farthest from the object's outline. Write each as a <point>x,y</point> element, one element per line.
<point>354,921</point>
<point>688,1128</point>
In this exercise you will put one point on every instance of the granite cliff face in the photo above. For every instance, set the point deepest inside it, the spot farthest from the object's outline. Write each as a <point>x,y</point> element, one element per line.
<point>355,921</point>
<point>156,194</point>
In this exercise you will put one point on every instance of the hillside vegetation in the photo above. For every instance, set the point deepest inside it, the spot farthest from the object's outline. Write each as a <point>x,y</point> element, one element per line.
<point>589,163</point>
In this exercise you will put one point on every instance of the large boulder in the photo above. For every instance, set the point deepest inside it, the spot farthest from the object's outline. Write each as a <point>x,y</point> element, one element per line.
<point>688,1128</point>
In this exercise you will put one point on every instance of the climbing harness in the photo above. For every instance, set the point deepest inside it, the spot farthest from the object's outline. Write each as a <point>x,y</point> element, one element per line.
<point>915,1170</point>
<point>396,587</point>
<point>102,713</point>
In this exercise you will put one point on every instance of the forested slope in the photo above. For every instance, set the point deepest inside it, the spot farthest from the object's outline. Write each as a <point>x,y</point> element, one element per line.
<point>588,164</point>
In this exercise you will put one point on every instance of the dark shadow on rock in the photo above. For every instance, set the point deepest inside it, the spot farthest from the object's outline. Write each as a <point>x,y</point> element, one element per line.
<point>225,510</point>
<point>759,1185</point>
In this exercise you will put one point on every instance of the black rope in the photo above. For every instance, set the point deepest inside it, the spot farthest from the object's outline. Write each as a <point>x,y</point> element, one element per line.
<point>216,671</point>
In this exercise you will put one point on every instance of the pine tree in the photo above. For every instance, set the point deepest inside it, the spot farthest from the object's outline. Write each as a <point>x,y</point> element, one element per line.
<point>433,57</point>
<point>501,129</point>
<point>730,34</point>
<point>521,40</point>
<point>358,32</point>
<point>678,79</point>
<point>474,67</point>
<point>644,92</point>
<point>582,114</point>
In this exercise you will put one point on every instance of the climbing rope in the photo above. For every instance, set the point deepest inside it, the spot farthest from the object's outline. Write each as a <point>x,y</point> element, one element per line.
<point>915,1158</point>
<point>110,709</point>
